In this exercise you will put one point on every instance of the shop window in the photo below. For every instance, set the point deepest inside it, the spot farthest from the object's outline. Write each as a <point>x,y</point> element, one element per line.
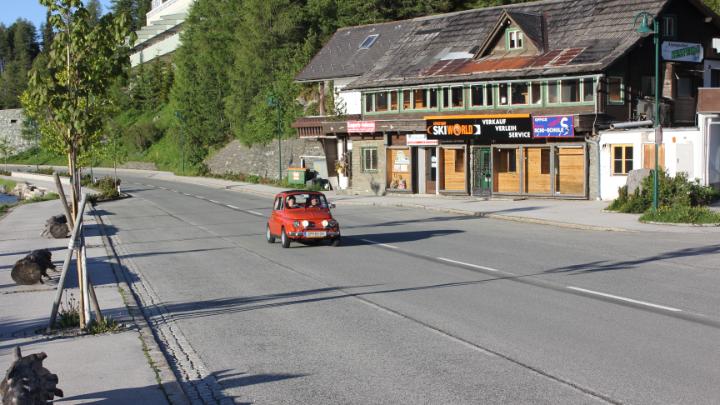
<point>407,99</point>
<point>553,92</point>
<point>622,159</point>
<point>669,27</point>
<point>369,103</point>
<point>544,161</point>
<point>520,93</point>
<point>507,160</point>
<point>432,98</point>
<point>515,40</point>
<point>615,90</point>
<point>477,95</point>
<point>381,102</point>
<point>419,99</point>
<point>369,159</point>
<point>570,91</point>
<point>536,93</point>
<point>588,86</point>
<point>459,161</point>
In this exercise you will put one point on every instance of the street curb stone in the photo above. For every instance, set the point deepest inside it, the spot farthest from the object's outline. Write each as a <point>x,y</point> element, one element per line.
<point>167,380</point>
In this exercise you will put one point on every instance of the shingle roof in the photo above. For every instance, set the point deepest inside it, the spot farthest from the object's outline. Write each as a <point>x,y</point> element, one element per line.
<point>342,56</point>
<point>582,36</point>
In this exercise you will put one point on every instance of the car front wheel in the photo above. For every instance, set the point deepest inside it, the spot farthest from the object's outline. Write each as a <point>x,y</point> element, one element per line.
<point>269,236</point>
<point>284,240</point>
<point>335,242</point>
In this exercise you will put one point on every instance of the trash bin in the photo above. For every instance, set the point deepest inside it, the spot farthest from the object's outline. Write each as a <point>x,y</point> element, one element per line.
<point>297,175</point>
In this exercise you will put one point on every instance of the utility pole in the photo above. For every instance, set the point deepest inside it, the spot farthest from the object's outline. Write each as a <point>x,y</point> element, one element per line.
<point>644,29</point>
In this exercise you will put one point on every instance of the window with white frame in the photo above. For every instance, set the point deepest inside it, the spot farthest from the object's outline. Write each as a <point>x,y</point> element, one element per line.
<point>515,39</point>
<point>369,159</point>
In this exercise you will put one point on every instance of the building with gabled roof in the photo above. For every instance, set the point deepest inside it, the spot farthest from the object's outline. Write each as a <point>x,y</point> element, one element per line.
<point>509,100</point>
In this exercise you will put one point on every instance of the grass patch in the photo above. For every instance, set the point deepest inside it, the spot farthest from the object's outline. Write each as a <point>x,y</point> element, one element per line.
<point>68,314</point>
<point>251,178</point>
<point>46,197</point>
<point>683,215</point>
<point>107,325</point>
<point>38,156</point>
<point>9,185</point>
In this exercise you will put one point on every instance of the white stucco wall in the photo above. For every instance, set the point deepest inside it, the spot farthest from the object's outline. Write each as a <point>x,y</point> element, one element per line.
<point>160,48</point>
<point>672,139</point>
<point>167,7</point>
<point>352,99</point>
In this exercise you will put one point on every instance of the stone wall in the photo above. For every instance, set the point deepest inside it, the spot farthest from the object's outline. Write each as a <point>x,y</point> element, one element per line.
<point>368,182</point>
<point>262,160</point>
<point>11,122</point>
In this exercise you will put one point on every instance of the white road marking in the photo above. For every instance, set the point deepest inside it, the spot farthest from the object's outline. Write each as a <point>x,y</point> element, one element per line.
<point>380,244</point>
<point>163,188</point>
<point>200,197</point>
<point>255,213</point>
<point>616,297</point>
<point>468,264</point>
<point>187,194</point>
<point>232,206</point>
<point>214,202</point>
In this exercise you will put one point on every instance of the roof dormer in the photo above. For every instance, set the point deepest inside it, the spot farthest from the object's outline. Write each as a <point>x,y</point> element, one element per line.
<point>515,33</point>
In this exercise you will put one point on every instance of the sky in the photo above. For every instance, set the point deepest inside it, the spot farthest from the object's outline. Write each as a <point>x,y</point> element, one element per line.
<point>11,10</point>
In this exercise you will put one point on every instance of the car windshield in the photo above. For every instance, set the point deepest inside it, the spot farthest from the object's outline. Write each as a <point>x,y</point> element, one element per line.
<point>306,201</point>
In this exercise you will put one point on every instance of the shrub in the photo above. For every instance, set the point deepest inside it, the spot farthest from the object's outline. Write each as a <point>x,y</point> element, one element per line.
<point>676,191</point>
<point>142,135</point>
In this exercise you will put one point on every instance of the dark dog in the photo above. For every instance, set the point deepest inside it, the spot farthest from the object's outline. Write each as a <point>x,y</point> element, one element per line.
<point>33,267</point>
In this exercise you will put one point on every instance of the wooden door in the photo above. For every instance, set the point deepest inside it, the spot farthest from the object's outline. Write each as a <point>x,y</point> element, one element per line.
<point>431,169</point>
<point>570,171</point>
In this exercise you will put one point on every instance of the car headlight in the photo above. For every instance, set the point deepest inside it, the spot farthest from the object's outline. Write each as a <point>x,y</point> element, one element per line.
<point>325,223</point>
<point>305,223</point>
<point>296,224</point>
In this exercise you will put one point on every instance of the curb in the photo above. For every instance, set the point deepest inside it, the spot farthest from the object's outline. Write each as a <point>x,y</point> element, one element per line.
<point>502,217</point>
<point>682,225</point>
<point>166,379</point>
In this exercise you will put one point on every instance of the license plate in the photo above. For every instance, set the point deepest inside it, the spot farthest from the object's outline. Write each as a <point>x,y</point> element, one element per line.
<point>315,234</point>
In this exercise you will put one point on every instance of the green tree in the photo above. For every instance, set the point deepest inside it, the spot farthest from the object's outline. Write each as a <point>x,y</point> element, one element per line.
<point>18,49</point>
<point>135,10</point>
<point>70,101</point>
<point>201,77</point>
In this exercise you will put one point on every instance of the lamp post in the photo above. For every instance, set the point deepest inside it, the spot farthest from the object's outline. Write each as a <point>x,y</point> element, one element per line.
<point>274,101</point>
<point>644,29</point>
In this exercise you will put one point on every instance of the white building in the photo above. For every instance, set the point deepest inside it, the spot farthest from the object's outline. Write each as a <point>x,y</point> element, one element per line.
<point>161,35</point>
<point>694,150</point>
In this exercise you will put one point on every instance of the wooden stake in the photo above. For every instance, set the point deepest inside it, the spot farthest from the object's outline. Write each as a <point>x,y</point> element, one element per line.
<point>61,193</point>
<point>66,265</point>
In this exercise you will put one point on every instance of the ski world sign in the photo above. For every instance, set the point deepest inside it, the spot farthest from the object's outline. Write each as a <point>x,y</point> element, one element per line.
<point>497,128</point>
<point>682,52</point>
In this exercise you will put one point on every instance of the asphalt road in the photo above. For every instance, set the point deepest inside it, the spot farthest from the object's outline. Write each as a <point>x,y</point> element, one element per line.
<point>420,307</point>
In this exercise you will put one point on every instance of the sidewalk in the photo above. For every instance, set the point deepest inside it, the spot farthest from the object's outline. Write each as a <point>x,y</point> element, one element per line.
<point>109,368</point>
<point>577,214</point>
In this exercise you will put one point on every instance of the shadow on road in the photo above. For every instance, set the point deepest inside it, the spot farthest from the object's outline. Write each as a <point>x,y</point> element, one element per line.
<point>606,265</point>
<point>395,237</point>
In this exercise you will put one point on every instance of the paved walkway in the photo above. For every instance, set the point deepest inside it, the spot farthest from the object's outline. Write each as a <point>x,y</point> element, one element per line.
<point>109,368</point>
<point>580,214</point>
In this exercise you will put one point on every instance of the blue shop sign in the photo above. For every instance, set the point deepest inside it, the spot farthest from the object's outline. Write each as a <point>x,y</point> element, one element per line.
<point>557,126</point>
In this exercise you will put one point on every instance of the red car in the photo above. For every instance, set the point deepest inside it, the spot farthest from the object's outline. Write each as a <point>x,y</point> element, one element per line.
<point>302,216</point>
